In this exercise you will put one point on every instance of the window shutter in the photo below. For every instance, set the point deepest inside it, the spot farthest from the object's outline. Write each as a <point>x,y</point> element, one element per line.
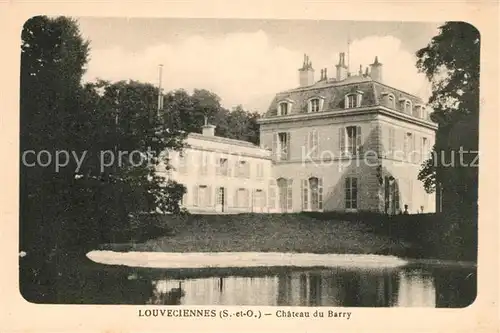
<point>236,200</point>
<point>359,142</point>
<point>342,141</point>
<point>305,195</point>
<point>289,195</point>
<point>320,193</point>
<point>208,197</point>
<point>321,102</point>
<point>195,195</point>
<point>288,153</point>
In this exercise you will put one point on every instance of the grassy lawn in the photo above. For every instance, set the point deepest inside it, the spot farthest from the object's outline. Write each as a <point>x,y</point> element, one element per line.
<point>266,233</point>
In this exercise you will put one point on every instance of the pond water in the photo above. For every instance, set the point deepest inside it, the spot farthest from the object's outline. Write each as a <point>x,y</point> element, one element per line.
<point>346,281</point>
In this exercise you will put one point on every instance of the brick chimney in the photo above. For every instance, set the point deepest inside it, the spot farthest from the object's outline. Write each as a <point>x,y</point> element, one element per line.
<point>376,70</point>
<point>306,73</point>
<point>341,68</point>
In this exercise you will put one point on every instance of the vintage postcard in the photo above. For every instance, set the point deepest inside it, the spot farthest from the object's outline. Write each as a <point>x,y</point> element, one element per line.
<point>298,167</point>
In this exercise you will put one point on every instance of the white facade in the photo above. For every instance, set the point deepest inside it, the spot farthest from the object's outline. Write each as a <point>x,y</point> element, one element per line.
<point>222,175</point>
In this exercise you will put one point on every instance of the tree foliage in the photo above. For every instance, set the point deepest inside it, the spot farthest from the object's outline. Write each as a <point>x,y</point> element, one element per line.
<point>83,204</point>
<point>188,113</point>
<point>451,63</point>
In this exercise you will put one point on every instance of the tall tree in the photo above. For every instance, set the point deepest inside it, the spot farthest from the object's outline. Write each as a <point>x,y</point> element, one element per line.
<point>451,63</point>
<point>88,199</point>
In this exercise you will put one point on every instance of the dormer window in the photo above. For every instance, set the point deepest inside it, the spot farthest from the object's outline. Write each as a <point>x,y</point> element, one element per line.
<point>315,104</point>
<point>406,105</point>
<point>353,100</point>
<point>284,108</point>
<point>419,111</point>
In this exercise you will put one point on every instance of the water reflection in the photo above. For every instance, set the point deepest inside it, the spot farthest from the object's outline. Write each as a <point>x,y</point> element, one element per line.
<point>350,288</point>
<point>280,286</point>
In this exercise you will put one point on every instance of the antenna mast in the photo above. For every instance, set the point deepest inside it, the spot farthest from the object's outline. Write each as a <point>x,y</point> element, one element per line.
<point>160,92</point>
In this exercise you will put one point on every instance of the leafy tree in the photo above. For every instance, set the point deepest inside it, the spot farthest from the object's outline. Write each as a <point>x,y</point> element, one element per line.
<point>80,205</point>
<point>188,113</point>
<point>451,63</point>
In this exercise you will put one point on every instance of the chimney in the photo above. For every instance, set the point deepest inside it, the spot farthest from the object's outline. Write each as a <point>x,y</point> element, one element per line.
<point>341,67</point>
<point>207,129</point>
<point>360,73</point>
<point>376,70</point>
<point>306,73</point>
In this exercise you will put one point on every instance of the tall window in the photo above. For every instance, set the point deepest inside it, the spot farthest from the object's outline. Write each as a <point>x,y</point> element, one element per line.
<point>350,140</point>
<point>312,194</point>
<point>314,105</point>
<point>351,193</point>
<point>283,109</point>
<point>242,198</point>
<point>259,199</point>
<point>285,194</point>
<point>204,163</point>
<point>392,140</point>
<point>201,196</point>
<point>312,143</point>
<point>260,170</point>
<point>409,146</point>
<point>272,194</point>
<point>424,148</point>
<point>223,167</point>
<point>281,144</point>
<point>243,169</point>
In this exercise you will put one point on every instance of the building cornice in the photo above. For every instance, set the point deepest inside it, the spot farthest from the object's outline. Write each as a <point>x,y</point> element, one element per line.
<point>378,109</point>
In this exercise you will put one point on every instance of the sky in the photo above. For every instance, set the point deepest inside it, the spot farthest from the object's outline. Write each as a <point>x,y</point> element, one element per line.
<point>248,61</point>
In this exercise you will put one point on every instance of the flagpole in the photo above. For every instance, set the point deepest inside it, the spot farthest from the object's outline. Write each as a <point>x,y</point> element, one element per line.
<point>160,93</point>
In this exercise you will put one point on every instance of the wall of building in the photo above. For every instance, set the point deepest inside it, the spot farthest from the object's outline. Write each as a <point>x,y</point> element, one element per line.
<point>201,169</point>
<point>404,165</point>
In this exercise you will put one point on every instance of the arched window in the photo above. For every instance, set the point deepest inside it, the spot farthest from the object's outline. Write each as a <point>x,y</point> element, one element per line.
<point>312,194</point>
<point>283,109</point>
<point>391,101</point>
<point>353,100</point>
<point>407,107</point>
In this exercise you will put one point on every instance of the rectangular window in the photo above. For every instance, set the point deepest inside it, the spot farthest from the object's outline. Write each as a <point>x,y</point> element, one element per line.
<point>259,198</point>
<point>409,148</point>
<point>351,101</point>
<point>315,105</point>
<point>204,163</point>
<point>351,193</point>
<point>283,146</point>
<point>223,167</point>
<point>350,140</point>
<point>260,170</point>
<point>283,109</point>
<point>241,199</point>
<point>392,140</point>
<point>312,143</point>
<point>424,148</point>
<point>272,194</point>
<point>243,169</point>
<point>202,196</point>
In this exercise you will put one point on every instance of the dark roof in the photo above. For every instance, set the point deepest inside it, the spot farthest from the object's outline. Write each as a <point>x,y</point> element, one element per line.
<point>334,92</point>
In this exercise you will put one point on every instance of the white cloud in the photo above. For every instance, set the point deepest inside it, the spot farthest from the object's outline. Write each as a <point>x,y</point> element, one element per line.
<point>244,68</point>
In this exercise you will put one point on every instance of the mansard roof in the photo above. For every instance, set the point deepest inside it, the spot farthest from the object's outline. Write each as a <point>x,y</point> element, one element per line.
<point>333,92</point>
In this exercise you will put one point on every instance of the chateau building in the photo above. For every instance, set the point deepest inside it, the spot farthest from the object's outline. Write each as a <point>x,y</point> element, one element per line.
<point>347,143</point>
